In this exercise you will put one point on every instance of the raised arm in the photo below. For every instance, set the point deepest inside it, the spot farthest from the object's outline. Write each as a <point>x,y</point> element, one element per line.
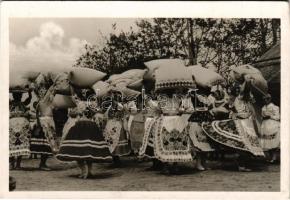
<point>28,99</point>
<point>74,96</point>
<point>49,95</point>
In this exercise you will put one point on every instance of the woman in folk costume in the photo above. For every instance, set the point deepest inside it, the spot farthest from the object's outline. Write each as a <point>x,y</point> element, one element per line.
<point>19,129</point>
<point>131,112</point>
<point>218,105</point>
<point>270,129</point>
<point>83,140</point>
<point>199,140</point>
<point>242,114</point>
<point>171,139</point>
<point>152,113</point>
<point>115,130</point>
<point>239,132</point>
<point>43,138</point>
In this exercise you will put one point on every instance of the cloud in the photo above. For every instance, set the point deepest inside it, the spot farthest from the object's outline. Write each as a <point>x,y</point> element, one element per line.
<point>49,50</point>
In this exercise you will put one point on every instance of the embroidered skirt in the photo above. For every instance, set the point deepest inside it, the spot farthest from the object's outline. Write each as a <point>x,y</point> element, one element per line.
<point>84,141</point>
<point>136,127</point>
<point>171,142</point>
<point>117,138</point>
<point>43,137</point>
<point>238,134</point>
<point>270,134</point>
<point>147,147</point>
<point>198,138</point>
<point>19,133</point>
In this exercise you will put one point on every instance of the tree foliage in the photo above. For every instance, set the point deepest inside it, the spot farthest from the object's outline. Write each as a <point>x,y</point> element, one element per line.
<point>218,42</point>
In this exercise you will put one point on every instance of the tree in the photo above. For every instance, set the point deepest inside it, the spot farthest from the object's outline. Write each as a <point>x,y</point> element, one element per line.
<point>221,42</point>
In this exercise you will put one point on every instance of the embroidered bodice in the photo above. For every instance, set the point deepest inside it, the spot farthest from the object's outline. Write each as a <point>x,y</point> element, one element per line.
<point>170,106</point>
<point>241,107</point>
<point>82,108</point>
<point>116,111</point>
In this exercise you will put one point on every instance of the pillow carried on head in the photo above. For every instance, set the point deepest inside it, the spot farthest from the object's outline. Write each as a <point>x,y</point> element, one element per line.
<point>63,101</point>
<point>173,76</point>
<point>85,77</point>
<point>204,77</point>
<point>153,65</point>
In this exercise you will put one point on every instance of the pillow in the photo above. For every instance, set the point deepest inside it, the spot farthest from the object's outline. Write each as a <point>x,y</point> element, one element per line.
<point>29,75</point>
<point>137,85</point>
<point>129,76</point>
<point>173,76</point>
<point>63,101</point>
<point>258,82</point>
<point>250,74</point>
<point>18,83</point>
<point>205,77</point>
<point>101,88</point>
<point>153,65</point>
<point>85,77</point>
<point>246,69</point>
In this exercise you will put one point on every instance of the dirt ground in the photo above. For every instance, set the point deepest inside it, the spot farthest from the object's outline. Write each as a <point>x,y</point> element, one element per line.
<point>135,176</point>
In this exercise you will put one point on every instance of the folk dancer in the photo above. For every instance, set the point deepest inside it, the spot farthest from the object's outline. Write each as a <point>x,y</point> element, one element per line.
<point>152,112</point>
<point>171,143</point>
<point>19,129</point>
<point>115,130</point>
<point>43,139</point>
<point>241,113</point>
<point>199,141</point>
<point>238,132</point>
<point>82,139</point>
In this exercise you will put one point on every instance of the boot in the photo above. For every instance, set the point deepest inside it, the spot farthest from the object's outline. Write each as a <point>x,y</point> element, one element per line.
<point>199,165</point>
<point>90,166</point>
<point>42,164</point>
<point>18,162</point>
<point>81,165</point>
<point>116,161</point>
<point>242,163</point>
<point>12,163</point>
<point>203,162</point>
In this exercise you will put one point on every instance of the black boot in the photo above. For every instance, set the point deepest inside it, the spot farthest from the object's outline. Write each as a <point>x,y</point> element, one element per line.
<point>90,166</point>
<point>12,163</point>
<point>18,162</point>
<point>42,164</point>
<point>116,161</point>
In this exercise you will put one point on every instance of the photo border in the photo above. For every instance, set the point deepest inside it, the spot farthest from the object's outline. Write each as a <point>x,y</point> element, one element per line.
<point>146,10</point>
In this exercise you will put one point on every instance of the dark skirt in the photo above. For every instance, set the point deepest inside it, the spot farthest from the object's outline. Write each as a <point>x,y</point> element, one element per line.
<point>84,141</point>
<point>38,142</point>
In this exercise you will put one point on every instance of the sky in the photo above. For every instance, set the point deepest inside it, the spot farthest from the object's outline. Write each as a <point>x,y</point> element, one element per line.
<point>57,42</point>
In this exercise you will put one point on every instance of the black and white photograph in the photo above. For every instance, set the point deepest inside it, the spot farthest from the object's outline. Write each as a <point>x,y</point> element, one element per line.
<point>189,104</point>
<point>149,99</point>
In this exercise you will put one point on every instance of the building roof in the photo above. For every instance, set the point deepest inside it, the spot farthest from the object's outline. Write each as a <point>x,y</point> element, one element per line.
<point>269,64</point>
<point>272,54</point>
